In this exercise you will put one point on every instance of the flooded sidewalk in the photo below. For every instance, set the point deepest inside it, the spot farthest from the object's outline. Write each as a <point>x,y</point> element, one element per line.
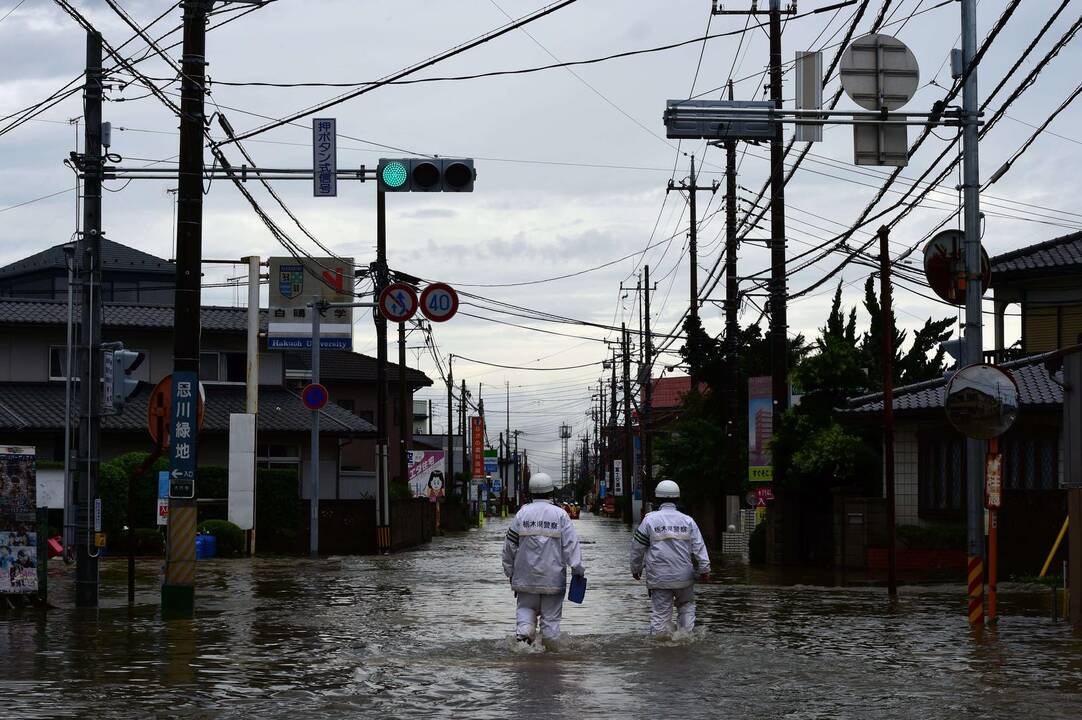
<point>429,633</point>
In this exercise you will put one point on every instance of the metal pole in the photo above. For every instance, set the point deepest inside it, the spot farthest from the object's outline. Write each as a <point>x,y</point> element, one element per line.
<point>629,461</point>
<point>464,427</point>
<point>888,405</point>
<point>693,307</point>
<point>974,343</point>
<point>450,428</point>
<point>405,428</point>
<point>69,519</point>
<point>507,449</point>
<point>313,503</point>
<point>178,590</point>
<point>89,258</point>
<point>382,512</point>
<point>252,378</point>
<point>993,544</point>
<point>779,361</point>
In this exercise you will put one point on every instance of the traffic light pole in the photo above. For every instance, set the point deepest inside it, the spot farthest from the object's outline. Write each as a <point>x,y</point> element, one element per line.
<point>88,258</point>
<point>383,511</point>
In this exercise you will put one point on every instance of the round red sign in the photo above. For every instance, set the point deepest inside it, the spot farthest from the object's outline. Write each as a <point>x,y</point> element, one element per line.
<point>398,302</point>
<point>439,302</point>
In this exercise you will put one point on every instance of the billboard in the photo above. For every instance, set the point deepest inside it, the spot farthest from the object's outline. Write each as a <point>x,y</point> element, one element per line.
<point>477,447</point>
<point>492,462</point>
<point>424,467</point>
<point>18,520</point>
<point>293,283</point>
<point>760,429</point>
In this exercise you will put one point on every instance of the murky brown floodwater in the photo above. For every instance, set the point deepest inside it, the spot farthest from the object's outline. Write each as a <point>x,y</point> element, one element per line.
<point>428,634</point>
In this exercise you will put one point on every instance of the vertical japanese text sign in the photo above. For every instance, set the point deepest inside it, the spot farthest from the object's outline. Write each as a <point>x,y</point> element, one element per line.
<point>477,446</point>
<point>324,158</point>
<point>183,435</point>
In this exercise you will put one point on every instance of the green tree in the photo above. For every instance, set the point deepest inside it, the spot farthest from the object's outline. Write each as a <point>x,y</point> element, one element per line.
<point>915,364</point>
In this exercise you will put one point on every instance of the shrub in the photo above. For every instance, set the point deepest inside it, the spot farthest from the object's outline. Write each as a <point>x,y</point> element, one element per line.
<point>230,537</point>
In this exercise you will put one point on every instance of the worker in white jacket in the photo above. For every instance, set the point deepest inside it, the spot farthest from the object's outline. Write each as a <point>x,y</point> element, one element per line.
<point>540,544</point>
<point>671,548</point>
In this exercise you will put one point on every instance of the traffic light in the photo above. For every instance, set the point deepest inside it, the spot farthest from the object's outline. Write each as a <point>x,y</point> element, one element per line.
<point>425,174</point>
<point>119,383</point>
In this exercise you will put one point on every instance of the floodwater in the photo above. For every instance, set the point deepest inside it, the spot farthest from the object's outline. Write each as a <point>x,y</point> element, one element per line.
<point>429,633</point>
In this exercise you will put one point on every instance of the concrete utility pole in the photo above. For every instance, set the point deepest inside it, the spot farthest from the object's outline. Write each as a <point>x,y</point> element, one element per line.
<point>251,395</point>
<point>885,306</point>
<point>612,423</point>
<point>88,259</point>
<point>464,428</point>
<point>733,470</point>
<point>971,185</point>
<point>313,492</point>
<point>629,457</point>
<point>692,190</point>
<point>779,355</point>
<point>405,427</point>
<point>506,475</point>
<point>178,590</point>
<point>647,440</point>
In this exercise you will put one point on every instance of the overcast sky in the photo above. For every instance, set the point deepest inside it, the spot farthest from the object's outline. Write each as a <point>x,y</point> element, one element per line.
<point>572,165</point>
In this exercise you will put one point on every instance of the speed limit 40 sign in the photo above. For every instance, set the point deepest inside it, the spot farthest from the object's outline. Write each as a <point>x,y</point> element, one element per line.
<point>439,302</point>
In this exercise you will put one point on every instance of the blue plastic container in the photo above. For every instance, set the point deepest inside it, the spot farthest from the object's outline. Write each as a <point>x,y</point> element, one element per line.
<point>206,547</point>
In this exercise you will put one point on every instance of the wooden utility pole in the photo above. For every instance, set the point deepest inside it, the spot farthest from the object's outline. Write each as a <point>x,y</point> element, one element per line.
<point>646,440</point>
<point>733,470</point>
<point>888,404</point>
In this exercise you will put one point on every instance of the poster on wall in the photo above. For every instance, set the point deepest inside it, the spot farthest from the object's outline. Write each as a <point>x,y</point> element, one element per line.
<point>18,528</point>
<point>426,472</point>
<point>760,429</point>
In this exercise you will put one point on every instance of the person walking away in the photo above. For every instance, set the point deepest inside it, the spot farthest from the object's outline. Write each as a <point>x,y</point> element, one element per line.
<point>669,546</point>
<point>540,545</point>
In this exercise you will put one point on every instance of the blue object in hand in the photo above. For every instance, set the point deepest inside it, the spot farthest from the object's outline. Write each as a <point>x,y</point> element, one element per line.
<point>577,590</point>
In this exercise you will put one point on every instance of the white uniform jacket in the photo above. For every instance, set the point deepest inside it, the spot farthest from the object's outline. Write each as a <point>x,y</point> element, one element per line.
<point>670,544</point>
<point>540,544</point>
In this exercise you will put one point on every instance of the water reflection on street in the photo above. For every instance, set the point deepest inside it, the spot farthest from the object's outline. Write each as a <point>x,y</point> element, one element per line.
<point>428,633</point>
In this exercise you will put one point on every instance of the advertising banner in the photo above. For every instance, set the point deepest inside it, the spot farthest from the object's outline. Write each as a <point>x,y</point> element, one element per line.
<point>760,429</point>
<point>492,462</point>
<point>426,472</point>
<point>18,520</point>
<point>618,478</point>
<point>477,447</point>
<point>292,284</point>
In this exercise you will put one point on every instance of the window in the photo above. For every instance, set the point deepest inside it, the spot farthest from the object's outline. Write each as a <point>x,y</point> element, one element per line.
<point>941,476</point>
<point>231,367</point>
<point>58,361</point>
<point>1030,462</point>
<point>208,367</point>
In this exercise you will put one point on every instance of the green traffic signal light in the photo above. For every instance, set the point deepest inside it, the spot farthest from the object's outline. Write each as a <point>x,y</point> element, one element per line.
<point>394,174</point>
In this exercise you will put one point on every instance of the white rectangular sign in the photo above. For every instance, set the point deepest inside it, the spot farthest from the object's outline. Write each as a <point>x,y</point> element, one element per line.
<point>324,157</point>
<point>618,477</point>
<point>241,509</point>
<point>292,284</point>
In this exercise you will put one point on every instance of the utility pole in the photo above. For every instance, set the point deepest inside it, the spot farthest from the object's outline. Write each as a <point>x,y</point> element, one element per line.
<point>732,479</point>
<point>507,460</point>
<point>383,512</point>
<point>779,356</point>
<point>629,457</point>
<point>971,184</point>
<point>450,428</point>
<point>612,423</point>
<point>888,405</point>
<point>178,590</point>
<point>648,400</point>
<point>692,190</point>
<point>464,429</point>
<point>88,258</point>
<point>313,493</point>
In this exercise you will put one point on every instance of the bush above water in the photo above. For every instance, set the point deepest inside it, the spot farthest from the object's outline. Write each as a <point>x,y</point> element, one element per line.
<point>230,537</point>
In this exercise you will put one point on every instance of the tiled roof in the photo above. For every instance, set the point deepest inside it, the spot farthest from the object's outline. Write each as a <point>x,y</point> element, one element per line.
<point>115,257</point>
<point>124,315</point>
<point>1058,253</point>
<point>344,365</point>
<point>1035,388</point>
<point>669,392</point>
<point>40,406</point>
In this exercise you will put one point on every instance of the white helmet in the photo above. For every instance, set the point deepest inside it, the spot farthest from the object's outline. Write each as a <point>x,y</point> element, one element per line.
<point>541,483</point>
<point>667,489</point>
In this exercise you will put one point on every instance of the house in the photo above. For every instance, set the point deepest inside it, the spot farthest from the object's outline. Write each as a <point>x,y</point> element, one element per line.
<point>1042,281</point>
<point>929,462</point>
<point>33,363</point>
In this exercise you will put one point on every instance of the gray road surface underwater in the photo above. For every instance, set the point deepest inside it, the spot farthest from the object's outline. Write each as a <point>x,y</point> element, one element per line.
<point>429,634</point>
